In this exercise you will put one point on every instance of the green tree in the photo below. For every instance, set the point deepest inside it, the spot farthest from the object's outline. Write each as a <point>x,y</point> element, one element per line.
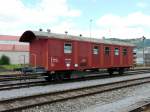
<point>4,60</point>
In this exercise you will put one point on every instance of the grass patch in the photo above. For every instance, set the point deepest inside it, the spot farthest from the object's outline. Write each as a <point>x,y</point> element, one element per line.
<point>10,67</point>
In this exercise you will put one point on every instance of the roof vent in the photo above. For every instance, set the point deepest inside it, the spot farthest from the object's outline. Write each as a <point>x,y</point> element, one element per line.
<point>48,30</point>
<point>66,32</point>
<point>40,29</point>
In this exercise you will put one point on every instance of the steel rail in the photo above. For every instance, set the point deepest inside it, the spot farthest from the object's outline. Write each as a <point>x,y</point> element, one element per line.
<point>141,107</point>
<point>22,85</point>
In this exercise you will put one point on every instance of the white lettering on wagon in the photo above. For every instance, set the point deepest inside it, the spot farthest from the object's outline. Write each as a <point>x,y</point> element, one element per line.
<point>53,61</point>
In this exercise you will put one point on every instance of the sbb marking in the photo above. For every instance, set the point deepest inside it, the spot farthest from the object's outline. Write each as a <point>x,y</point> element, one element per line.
<point>53,61</point>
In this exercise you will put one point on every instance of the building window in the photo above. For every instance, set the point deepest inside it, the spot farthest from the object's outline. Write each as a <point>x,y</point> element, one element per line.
<point>95,50</point>
<point>116,51</point>
<point>67,48</point>
<point>124,52</point>
<point>107,50</point>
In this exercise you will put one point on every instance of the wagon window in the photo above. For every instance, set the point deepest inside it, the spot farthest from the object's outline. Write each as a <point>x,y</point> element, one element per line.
<point>107,50</point>
<point>67,48</point>
<point>124,52</point>
<point>95,50</point>
<point>116,51</point>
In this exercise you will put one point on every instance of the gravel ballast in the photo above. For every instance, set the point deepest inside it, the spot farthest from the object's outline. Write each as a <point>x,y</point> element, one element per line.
<point>91,103</point>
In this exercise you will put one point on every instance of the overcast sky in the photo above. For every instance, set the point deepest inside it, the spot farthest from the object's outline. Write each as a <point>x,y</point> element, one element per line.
<point>109,18</point>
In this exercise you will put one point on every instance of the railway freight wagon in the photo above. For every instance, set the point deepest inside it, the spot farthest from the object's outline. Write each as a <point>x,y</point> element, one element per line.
<point>62,55</point>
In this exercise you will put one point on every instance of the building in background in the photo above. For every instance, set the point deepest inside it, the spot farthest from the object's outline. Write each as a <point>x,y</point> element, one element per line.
<point>140,59</point>
<point>147,56</point>
<point>17,52</point>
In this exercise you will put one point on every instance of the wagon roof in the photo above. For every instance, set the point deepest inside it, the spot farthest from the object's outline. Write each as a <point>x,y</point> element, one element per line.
<point>29,36</point>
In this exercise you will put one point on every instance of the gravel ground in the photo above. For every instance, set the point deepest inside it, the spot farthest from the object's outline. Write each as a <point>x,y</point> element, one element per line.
<point>124,105</point>
<point>85,103</point>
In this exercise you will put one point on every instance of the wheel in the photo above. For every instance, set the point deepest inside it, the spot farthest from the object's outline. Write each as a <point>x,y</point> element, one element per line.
<point>67,75</point>
<point>55,77</point>
<point>61,76</point>
<point>48,78</point>
<point>121,71</point>
<point>110,71</point>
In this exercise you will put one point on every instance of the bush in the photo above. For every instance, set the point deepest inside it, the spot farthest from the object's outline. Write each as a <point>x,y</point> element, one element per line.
<point>4,60</point>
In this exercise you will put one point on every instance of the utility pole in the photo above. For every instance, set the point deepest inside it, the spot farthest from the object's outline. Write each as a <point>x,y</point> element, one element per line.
<point>23,56</point>
<point>90,28</point>
<point>143,38</point>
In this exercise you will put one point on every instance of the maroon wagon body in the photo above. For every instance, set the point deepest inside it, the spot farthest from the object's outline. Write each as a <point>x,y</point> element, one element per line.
<point>58,52</point>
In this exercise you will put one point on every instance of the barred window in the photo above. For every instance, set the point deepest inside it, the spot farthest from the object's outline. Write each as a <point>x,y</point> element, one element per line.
<point>67,48</point>
<point>116,52</point>
<point>95,50</point>
<point>107,50</point>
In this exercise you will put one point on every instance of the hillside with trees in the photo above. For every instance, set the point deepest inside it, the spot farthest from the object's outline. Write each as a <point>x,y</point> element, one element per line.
<point>137,42</point>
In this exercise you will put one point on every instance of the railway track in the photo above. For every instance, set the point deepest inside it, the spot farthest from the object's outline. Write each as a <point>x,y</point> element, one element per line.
<point>18,77</point>
<point>23,84</point>
<point>33,80</point>
<point>141,107</point>
<point>19,103</point>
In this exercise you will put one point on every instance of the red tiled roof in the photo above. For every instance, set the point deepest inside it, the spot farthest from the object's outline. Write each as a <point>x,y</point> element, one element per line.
<point>8,37</point>
<point>11,47</point>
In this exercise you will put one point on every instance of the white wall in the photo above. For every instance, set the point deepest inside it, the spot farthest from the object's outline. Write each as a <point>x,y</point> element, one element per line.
<point>16,57</point>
